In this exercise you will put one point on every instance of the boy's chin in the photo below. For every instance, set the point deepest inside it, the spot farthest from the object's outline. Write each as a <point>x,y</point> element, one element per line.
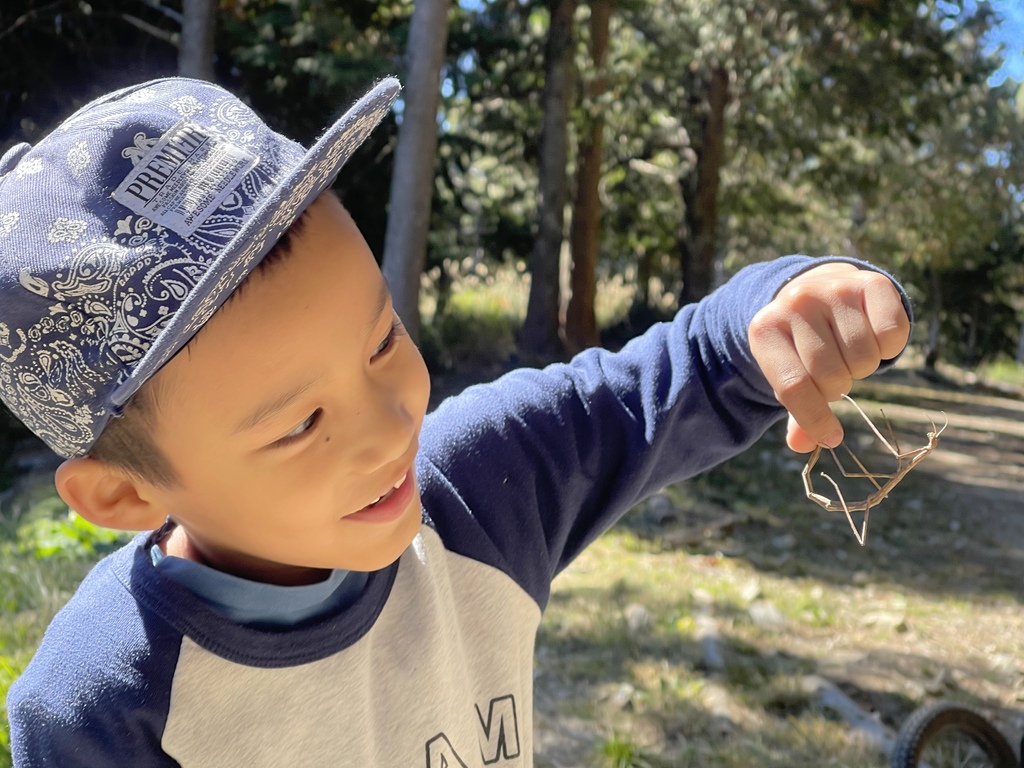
<point>386,556</point>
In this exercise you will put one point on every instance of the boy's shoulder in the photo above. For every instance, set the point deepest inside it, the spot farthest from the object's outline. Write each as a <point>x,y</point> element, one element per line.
<point>100,632</point>
<point>103,655</point>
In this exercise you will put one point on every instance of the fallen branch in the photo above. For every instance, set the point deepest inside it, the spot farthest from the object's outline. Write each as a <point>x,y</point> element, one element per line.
<point>828,696</point>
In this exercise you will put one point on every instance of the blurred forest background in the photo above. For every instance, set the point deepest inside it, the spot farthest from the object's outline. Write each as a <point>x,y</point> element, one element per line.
<point>652,145</point>
<point>562,173</point>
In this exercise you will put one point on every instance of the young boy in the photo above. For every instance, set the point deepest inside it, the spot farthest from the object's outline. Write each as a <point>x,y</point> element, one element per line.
<point>331,578</point>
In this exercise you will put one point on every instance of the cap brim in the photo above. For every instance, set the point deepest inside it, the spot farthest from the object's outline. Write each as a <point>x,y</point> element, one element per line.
<point>279,210</point>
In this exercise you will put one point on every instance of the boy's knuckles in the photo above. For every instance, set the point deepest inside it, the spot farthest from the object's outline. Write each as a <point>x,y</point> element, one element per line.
<point>883,304</point>
<point>861,367</point>
<point>834,384</point>
<point>791,389</point>
<point>766,324</point>
<point>826,372</point>
<point>799,297</point>
<point>861,353</point>
<point>893,338</point>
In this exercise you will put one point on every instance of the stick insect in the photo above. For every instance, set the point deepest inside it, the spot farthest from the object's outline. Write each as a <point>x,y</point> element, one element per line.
<point>904,463</point>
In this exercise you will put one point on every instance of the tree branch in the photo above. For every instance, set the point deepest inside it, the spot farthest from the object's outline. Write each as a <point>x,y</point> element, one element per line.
<point>28,16</point>
<point>161,34</point>
<point>168,12</point>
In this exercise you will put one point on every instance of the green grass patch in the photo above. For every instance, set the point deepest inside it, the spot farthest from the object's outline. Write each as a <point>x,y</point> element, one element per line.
<point>479,320</point>
<point>477,324</point>
<point>620,751</point>
<point>45,551</point>
<point>1003,371</point>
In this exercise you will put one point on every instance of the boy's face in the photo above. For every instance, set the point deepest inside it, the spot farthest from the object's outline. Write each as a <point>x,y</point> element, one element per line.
<point>298,405</point>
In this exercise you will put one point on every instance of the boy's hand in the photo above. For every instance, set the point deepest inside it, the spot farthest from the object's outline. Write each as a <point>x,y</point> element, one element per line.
<point>827,327</point>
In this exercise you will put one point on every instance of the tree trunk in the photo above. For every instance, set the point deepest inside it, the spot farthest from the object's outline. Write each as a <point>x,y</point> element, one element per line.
<point>641,306</point>
<point>538,339</point>
<point>971,346</point>
<point>412,182</point>
<point>697,245</point>
<point>198,25</point>
<point>585,238</point>
<point>931,355</point>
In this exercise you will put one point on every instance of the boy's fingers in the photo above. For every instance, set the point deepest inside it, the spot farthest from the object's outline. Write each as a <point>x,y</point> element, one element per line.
<point>812,415</point>
<point>887,316</point>
<point>822,354</point>
<point>857,342</point>
<point>796,390</point>
<point>786,345</point>
<point>797,439</point>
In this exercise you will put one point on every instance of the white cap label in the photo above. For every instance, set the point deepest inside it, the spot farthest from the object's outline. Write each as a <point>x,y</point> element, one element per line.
<point>184,178</point>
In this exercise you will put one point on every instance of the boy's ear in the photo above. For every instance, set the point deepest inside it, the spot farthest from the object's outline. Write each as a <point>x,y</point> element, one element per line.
<point>106,496</point>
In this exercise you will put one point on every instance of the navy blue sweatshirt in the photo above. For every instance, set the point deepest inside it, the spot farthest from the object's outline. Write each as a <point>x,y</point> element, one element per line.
<point>432,665</point>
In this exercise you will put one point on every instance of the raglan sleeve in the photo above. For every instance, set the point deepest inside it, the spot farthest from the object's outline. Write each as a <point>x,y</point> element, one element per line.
<point>47,733</point>
<point>96,693</point>
<point>524,472</point>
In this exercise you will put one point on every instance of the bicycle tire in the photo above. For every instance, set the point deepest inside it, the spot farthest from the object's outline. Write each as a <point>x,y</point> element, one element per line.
<point>926,724</point>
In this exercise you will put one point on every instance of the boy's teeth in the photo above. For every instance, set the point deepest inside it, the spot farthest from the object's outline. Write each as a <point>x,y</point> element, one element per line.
<point>395,487</point>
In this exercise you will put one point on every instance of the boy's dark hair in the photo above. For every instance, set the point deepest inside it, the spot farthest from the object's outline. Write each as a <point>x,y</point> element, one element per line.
<point>127,442</point>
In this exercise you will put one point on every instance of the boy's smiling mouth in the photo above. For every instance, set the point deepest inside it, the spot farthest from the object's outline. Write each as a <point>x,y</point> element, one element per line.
<point>391,505</point>
<point>389,493</point>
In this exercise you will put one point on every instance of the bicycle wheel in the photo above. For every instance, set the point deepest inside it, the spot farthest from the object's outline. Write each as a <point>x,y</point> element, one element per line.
<point>947,735</point>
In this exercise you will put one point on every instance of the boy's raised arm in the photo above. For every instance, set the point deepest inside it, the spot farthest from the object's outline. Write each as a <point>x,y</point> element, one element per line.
<point>525,472</point>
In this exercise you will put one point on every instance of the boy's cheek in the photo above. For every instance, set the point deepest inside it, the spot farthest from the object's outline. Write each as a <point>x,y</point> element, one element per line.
<point>419,378</point>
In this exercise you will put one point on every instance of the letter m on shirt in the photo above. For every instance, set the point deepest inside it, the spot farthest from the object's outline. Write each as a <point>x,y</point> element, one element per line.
<point>499,733</point>
<point>441,754</point>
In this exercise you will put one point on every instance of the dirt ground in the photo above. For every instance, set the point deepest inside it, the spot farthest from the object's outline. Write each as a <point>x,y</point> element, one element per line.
<point>929,608</point>
<point>962,543</point>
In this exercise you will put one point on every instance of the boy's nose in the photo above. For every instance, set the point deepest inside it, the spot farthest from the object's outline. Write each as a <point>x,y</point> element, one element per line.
<point>388,429</point>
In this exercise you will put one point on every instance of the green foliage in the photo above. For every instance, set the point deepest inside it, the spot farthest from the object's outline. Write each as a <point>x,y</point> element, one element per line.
<point>68,536</point>
<point>45,550</point>
<point>619,751</point>
<point>39,540</point>
<point>303,61</point>
<point>862,128</point>
<point>1004,371</point>
<point>477,324</point>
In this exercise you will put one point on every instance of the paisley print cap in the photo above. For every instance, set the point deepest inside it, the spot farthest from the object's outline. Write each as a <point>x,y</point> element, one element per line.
<point>128,226</point>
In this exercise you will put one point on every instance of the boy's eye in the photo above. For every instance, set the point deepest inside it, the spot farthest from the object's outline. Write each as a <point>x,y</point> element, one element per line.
<point>301,429</point>
<point>396,330</point>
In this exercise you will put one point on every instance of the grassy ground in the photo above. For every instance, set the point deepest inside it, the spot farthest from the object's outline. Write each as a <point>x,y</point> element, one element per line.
<point>700,630</point>
<point>928,608</point>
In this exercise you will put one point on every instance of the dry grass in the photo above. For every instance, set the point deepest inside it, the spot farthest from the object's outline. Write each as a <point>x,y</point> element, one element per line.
<point>929,608</point>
